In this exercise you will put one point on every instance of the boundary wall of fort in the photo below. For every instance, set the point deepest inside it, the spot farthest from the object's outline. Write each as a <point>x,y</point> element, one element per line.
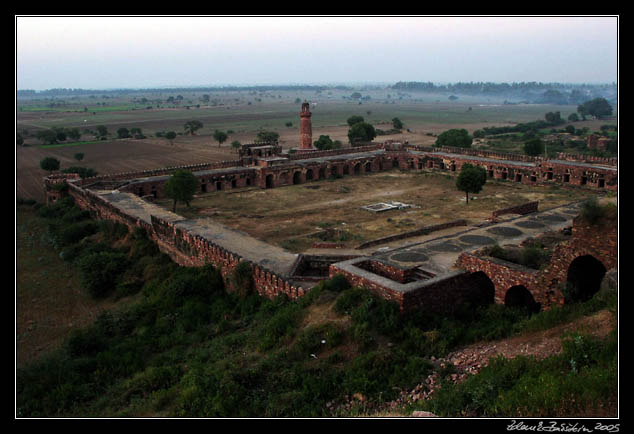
<point>190,249</point>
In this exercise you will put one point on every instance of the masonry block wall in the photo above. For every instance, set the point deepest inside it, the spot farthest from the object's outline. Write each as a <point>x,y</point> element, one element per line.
<point>545,285</point>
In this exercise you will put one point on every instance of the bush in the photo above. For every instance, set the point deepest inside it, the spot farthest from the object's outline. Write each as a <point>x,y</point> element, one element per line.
<point>242,280</point>
<point>593,212</point>
<point>338,283</point>
<point>100,272</point>
<point>76,232</point>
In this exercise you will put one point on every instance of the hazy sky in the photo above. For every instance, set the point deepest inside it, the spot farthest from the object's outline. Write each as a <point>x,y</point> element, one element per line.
<point>143,52</point>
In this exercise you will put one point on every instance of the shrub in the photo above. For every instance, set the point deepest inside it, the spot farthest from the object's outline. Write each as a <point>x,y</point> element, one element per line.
<point>76,232</point>
<point>100,271</point>
<point>242,279</point>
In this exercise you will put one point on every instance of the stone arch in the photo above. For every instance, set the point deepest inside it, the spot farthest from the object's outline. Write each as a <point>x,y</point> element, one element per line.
<point>309,175</point>
<point>368,167</point>
<point>357,169</point>
<point>346,169</point>
<point>482,291</point>
<point>519,297</point>
<point>297,178</point>
<point>321,174</point>
<point>269,181</point>
<point>584,277</point>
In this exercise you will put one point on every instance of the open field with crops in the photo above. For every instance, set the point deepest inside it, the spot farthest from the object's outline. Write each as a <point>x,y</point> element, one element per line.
<point>240,113</point>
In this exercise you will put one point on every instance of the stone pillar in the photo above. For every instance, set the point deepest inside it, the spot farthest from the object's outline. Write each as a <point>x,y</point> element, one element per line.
<point>305,128</point>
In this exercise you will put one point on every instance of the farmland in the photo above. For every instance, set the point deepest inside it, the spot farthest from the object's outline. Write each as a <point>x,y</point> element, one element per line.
<point>242,114</point>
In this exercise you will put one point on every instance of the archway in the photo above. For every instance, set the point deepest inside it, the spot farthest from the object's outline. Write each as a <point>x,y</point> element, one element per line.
<point>482,291</point>
<point>584,278</point>
<point>357,168</point>
<point>368,167</point>
<point>322,173</point>
<point>309,175</point>
<point>269,181</point>
<point>346,170</point>
<point>519,297</point>
<point>297,178</point>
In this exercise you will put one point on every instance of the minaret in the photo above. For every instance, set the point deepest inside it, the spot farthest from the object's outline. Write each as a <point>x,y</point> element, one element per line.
<point>305,128</point>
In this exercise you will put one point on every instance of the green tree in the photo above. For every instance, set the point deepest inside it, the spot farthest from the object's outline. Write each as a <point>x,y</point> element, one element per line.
<point>79,156</point>
<point>534,147</point>
<point>455,137</point>
<point>397,123</point>
<point>325,143</point>
<point>554,118</point>
<point>355,119</point>
<point>267,137</point>
<point>181,187</point>
<point>102,131</point>
<point>123,133</point>
<point>137,133</point>
<point>49,164</point>
<point>192,126</point>
<point>47,136</point>
<point>361,132</point>
<point>471,179</point>
<point>598,108</point>
<point>220,137</point>
<point>73,133</point>
<point>170,135</point>
<point>236,145</point>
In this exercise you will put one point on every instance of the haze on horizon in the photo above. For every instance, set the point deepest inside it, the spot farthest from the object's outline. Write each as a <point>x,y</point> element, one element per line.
<point>148,52</point>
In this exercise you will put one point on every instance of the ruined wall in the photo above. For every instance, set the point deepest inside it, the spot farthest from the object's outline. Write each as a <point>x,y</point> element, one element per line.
<point>545,285</point>
<point>525,208</point>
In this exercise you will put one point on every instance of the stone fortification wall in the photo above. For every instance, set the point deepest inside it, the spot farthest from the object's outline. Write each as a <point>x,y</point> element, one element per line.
<point>185,248</point>
<point>545,285</point>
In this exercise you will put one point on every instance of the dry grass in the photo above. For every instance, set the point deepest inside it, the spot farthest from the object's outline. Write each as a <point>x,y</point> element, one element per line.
<point>291,216</point>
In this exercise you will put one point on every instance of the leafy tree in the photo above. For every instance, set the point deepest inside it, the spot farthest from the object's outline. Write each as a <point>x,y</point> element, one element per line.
<point>220,137</point>
<point>102,131</point>
<point>455,137</point>
<point>354,120</point>
<point>49,164</point>
<point>598,108</point>
<point>181,187</point>
<point>123,133</point>
<point>137,133</point>
<point>534,147</point>
<point>170,135</point>
<point>73,133</point>
<point>554,118</point>
<point>397,123</point>
<point>47,136</point>
<point>267,136</point>
<point>573,117</point>
<point>192,126</point>
<point>236,145</point>
<point>325,143</point>
<point>79,156</point>
<point>471,179</point>
<point>362,132</point>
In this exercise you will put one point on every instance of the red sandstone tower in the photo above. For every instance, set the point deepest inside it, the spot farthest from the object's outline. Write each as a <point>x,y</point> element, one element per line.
<point>305,128</point>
